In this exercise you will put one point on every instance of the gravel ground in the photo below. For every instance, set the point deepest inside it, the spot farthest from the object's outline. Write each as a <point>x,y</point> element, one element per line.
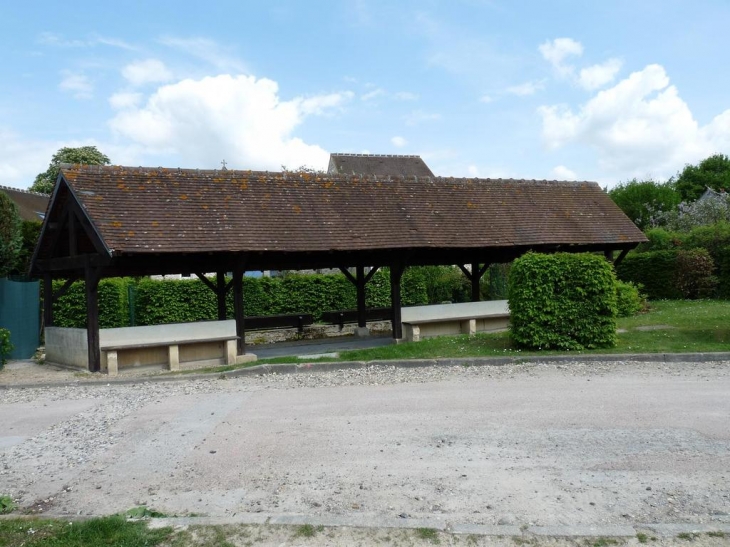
<point>531,444</point>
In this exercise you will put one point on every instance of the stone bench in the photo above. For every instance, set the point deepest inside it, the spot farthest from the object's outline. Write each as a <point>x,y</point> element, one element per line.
<point>451,319</point>
<point>190,345</point>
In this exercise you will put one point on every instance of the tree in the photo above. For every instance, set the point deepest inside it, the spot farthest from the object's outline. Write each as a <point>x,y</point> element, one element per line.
<point>11,239</point>
<point>85,155</point>
<point>642,200</point>
<point>712,172</point>
<point>30,232</point>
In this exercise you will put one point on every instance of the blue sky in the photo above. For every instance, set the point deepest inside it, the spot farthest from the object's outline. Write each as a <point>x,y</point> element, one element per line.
<point>599,90</point>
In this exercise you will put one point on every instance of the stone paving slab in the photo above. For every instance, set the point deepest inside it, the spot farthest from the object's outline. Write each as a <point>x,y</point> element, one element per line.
<point>583,531</point>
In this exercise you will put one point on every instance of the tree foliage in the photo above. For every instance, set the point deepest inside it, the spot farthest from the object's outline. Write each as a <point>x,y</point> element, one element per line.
<point>688,216</point>
<point>642,200</point>
<point>712,172</point>
<point>11,239</point>
<point>85,155</point>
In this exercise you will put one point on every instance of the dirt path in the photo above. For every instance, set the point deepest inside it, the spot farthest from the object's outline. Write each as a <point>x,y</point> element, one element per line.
<point>577,444</point>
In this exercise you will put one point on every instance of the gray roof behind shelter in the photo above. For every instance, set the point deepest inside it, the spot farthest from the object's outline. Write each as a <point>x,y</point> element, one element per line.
<point>31,205</point>
<point>381,165</point>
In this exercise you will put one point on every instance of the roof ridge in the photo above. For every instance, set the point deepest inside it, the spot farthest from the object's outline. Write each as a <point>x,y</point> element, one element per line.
<point>341,154</point>
<point>3,187</point>
<point>285,175</point>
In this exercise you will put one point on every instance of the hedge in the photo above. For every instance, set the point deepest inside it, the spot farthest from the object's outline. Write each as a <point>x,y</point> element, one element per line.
<point>562,301</point>
<point>654,270</point>
<point>158,302</point>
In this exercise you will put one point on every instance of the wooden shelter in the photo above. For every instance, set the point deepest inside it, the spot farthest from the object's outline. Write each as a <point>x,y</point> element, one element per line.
<point>107,221</point>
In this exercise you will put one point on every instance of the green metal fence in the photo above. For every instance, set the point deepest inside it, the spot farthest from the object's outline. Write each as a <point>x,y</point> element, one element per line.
<point>20,314</point>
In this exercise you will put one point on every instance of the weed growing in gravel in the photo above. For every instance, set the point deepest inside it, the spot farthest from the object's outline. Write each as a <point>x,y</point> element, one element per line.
<point>307,530</point>
<point>144,512</point>
<point>430,534</point>
<point>7,505</point>
<point>689,536</point>
<point>604,542</point>
<point>716,534</point>
<point>643,538</point>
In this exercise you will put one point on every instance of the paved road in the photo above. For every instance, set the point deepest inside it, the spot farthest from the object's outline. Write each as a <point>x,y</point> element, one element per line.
<point>602,443</point>
<point>318,347</point>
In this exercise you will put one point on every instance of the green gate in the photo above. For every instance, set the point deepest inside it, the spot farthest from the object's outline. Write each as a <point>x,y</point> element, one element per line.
<point>20,314</point>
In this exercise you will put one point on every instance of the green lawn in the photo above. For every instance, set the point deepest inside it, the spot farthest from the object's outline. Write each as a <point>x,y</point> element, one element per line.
<point>692,326</point>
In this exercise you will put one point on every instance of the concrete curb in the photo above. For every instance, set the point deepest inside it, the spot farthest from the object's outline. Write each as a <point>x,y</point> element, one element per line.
<point>508,530</point>
<point>295,368</point>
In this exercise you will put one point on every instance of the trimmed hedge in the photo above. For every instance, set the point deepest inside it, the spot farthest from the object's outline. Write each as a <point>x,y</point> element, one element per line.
<point>562,301</point>
<point>629,300</point>
<point>655,271</point>
<point>158,302</point>
<point>70,309</point>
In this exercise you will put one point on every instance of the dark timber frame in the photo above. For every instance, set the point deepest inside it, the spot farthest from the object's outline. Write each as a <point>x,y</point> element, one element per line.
<point>73,249</point>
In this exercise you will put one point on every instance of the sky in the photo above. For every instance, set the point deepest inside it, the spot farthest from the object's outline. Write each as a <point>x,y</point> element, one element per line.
<point>562,90</point>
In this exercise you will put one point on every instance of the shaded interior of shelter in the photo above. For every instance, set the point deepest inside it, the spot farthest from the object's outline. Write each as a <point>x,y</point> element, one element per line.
<point>106,221</point>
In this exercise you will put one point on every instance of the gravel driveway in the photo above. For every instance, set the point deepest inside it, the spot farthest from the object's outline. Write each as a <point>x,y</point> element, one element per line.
<point>541,444</point>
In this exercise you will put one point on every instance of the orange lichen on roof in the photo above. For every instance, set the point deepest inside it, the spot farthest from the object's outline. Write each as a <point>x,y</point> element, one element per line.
<point>116,224</point>
<point>183,196</point>
<point>155,223</point>
<point>297,209</point>
<point>130,233</point>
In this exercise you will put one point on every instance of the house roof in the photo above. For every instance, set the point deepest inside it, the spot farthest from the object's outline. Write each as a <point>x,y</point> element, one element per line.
<point>165,211</point>
<point>31,205</point>
<point>378,164</point>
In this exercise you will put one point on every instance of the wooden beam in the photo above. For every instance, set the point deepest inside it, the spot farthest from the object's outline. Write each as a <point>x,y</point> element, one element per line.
<point>361,306</point>
<point>221,295</point>
<point>396,273</point>
<point>76,263</point>
<point>207,282</point>
<point>475,279</point>
<point>620,257</point>
<point>466,272</point>
<point>348,275</point>
<point>238,309</point>
<point>91,277</point>
<point>64,288</point>
<point>371,273</point>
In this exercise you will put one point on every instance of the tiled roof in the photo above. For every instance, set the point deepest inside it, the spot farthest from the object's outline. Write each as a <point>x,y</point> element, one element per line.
<point>31,205</point>
<point>158,210</point>
<point>378,165</point>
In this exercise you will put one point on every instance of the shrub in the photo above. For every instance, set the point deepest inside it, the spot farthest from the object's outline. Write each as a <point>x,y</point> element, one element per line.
<point>495,282</point>
<point>629,300</point>
<point>70,309</point>
<point>5,346</point>
<point>445,284</point>
<point>693,276</point>
<point>654,270</point>
<point>562,301</point>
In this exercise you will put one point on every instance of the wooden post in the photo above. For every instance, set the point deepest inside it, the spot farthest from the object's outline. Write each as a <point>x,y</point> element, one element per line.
<point>361,309</point>
<point>221,294</point>
<point>92,276</point>
<point>396,272</point>
<point>475,279</point>
<point>47,300</point>
<point>608,255</point>
<point>238,309</point>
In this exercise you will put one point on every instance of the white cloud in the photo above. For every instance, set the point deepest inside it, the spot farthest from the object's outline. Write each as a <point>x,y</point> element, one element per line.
<point>124,99</point>
<point>485,99</point>
<point>473,170</point>
<point>398,141</point>
<point>558,50</point>
<point>405,96</point>
<point>640,125</point>
<point>206,50</point>
<point>239,118</point>
<point>597,76</point>
<point>528,88</point>
<point>419,116</point>
<point>377,92</point>
<point>147,71</point>
<point>77,84</point>
<point>58,40</point>
<point>561,172</point>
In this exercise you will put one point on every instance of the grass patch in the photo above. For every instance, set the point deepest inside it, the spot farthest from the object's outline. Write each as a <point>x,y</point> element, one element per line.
<point>604,542</point>
<point>716,534</point>
<point>643,538</point>
<point>688,536</point>
<point>307,531</point>
<point>430,534</point>
<point>7,505</point>
<point>144,512</point>
<point>115,530</point>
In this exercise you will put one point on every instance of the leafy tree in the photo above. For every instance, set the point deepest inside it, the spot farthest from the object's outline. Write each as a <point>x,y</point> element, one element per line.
<point>712,172</point>
<point>10,234</point>
<point>641,200</point>
<point>30,232</point>
<point>85,155</point>
<point>688,216</point>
